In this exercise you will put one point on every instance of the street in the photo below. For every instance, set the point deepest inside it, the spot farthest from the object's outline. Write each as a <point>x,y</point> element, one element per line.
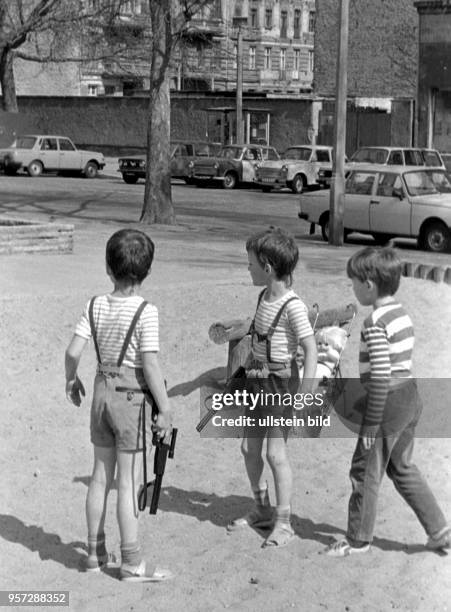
<point>228,215</point>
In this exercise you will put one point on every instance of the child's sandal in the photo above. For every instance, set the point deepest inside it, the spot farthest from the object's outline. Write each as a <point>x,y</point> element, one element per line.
<point>280,536</point>
<point>251,519</point>
<point>97,564</point>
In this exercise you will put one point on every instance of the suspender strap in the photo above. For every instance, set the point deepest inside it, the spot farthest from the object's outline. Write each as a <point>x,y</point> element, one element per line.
<point>273,326</point>
<point>260,297</point>
<point>93,328</point>
<point>131,329</point>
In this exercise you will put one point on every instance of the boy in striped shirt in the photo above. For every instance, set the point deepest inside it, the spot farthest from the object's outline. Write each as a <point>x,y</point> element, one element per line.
<point>390,410</point>
<point>124,328</point>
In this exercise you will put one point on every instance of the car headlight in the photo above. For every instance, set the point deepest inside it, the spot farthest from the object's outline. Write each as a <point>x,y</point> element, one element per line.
<point>284,169</point>
<point>257,165</point>
<point>191,164</point>
<point>216,166</point>
<point>142,164</point>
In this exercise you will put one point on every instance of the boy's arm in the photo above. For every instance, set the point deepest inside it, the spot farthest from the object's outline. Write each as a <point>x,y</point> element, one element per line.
<point>155,382</point>
<point>310,361</point>
<point>380,372</point>
<point>74,386</point>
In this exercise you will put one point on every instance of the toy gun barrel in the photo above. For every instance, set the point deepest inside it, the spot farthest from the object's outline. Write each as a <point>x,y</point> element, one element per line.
<point>205,419</point>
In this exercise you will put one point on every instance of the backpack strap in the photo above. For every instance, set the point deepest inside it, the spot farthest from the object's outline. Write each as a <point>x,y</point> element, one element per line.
<point>93,328</point>
<point>131,329</point>
<point>273,326</point>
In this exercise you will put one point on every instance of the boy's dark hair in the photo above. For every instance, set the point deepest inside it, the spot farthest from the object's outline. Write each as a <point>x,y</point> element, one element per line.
<point>129,255</point>
<point>276,247</point>
<point>380,265</point>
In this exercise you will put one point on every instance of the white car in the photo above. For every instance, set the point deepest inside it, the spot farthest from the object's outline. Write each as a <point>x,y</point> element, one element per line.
<point>42,153</point>
<point>297,169</point>
<point>390,201</point>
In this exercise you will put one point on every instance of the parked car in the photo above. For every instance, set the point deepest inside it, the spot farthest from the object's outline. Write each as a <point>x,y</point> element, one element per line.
<point>297,169</point>
<point>42,153</point>
<point>390,201</point>
<point>232,166</point>
<point>407,156</point>
<point>133,167</point>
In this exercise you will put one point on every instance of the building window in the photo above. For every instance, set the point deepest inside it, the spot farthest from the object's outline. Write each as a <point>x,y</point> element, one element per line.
<point>267,58</point>
<point>283,59</point>
<point>93,90</point>
<point>311,21</point>
<point>268,19</point>
<point>297,23</point>
<point>311,64</point>
<point>297,59</point>
<point>283,24</point>
<point>110,90</point>
<point>252,58</point>
<point>254,18</point>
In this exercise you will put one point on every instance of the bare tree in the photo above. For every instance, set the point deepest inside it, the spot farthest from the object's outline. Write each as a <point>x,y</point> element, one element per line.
<point>170,23</point>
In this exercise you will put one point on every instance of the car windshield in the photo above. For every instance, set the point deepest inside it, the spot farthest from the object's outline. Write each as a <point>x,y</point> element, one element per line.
<point>24,142</point>
<point>370,156</point>
<point>427,182</point>
<point>231,152</point>
<point>298,153</point>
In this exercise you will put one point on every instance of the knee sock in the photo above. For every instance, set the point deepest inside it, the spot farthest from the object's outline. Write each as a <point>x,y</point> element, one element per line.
<point>261,497</point>
<point>283,514</point>
<point>131,553</point>
<point>96,546</point>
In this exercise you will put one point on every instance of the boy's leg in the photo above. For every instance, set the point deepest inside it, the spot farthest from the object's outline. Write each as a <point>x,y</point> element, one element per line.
<point>133,567</point>
<point>277,457</point>
<point>261,516</point>
<point>410,483</point>
<point>96,503</point>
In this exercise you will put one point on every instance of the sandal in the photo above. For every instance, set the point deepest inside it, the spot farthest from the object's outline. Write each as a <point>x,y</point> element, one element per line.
<point>440,540</point>
<point>251,519</point>
<point>342,548</point>
<point>280,536</point>
<point>97,564</point>
<point>139,573</point>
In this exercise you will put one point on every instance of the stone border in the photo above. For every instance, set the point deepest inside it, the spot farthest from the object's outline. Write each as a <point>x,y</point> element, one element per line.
<point>438,274</point>
<point>18,236</point>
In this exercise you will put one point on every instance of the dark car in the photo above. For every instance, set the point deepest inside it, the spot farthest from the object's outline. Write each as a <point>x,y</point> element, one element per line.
<point>234,164</point>
<point>133,167</point>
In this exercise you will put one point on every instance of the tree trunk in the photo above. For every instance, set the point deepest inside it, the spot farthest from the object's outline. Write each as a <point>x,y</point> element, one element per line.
<point>157,206</point>
<point>9,100</point>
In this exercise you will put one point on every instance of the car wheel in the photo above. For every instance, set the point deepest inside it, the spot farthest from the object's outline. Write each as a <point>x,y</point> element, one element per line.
<point>435,237</point>
<point>130,179</point>
<point>91,170</point>
<point>381,239</point>
<point>229,180</point>
<point>35,168</point>
<point>298,184</point>
<point>324,222</point>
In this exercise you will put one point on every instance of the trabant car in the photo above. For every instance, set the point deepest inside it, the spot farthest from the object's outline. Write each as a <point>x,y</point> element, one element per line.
<point>232,166</point>
<point>389,202</point>
<point>297,169</point>
<point>391,156</point>
<point>133,167</point>
<point>42,153</point>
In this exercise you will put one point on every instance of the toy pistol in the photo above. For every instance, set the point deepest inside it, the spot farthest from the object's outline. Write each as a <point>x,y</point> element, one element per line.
<point>162,451</point>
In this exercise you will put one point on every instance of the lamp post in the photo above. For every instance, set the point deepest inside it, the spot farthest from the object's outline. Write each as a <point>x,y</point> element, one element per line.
<point>337,191</point>
<point>238,22</point>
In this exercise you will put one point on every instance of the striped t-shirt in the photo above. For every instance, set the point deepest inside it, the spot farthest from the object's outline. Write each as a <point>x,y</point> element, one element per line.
<point>112,318</point>
<point>294,325</point>
<point>386,345</point>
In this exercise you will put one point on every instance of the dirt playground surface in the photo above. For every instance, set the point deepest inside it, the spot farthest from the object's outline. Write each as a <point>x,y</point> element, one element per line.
<point>46,455</point>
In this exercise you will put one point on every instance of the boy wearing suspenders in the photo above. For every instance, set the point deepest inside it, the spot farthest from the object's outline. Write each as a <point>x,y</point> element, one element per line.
<point>280,324</point>
<point>124,329</point>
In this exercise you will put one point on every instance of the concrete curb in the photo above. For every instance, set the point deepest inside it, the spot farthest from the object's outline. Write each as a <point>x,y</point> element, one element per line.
<point>438,274</point>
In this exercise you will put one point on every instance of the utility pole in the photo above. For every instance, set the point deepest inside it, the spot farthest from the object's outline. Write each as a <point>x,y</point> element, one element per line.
<point>238,21</point>
<point>337,190</point>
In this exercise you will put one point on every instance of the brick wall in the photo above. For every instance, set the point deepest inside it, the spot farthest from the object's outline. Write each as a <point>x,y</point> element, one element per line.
<point>382,49</point>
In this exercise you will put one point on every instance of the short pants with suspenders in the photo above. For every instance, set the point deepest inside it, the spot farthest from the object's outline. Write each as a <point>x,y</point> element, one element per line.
<point>271,377</point>
<point>116,419</point>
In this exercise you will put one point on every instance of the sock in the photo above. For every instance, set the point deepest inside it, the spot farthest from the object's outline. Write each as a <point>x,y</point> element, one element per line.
<point>261,497</point>
<point>131,554</point>
<point>96,546</point>
<point>283,514</point>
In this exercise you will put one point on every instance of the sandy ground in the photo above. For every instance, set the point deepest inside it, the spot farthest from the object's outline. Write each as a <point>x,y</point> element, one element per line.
<point>46,453</point>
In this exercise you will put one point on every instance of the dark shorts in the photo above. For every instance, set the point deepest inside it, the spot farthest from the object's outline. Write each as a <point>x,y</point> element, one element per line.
<point>116,416</point>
